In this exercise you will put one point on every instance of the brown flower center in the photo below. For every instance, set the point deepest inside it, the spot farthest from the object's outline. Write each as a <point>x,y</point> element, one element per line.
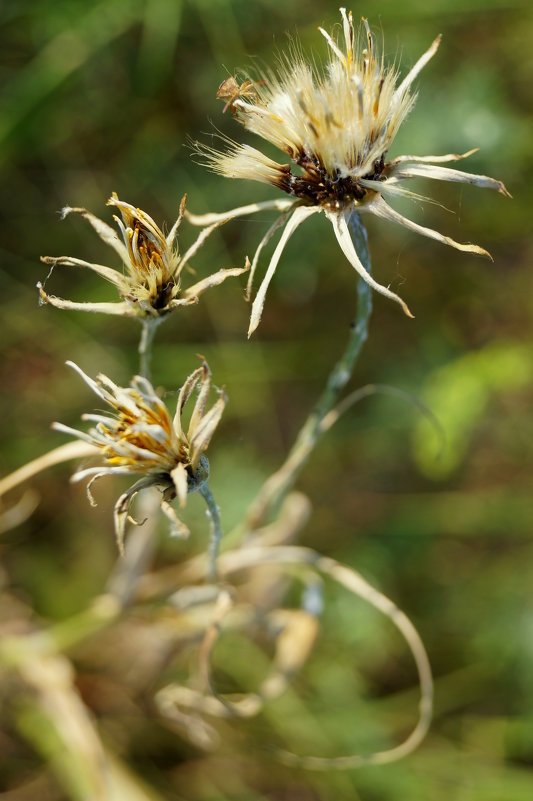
<point>320,187</point>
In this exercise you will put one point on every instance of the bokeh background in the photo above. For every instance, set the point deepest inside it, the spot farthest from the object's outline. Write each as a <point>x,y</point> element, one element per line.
<point>103,96</point>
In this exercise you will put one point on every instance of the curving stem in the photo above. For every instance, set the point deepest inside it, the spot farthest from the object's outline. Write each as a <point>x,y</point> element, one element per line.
<point>216,532</point>
<point>149,325</point>
<point>278,484</point>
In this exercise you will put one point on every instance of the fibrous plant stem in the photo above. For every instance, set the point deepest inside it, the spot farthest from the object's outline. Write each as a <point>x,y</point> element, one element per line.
<point>277,485</point>
<point>149,325</point>
<point>216,532</point>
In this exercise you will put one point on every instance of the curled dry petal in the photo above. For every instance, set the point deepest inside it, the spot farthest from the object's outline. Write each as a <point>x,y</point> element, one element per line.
<point>149,280</point>
<point>138,437</point>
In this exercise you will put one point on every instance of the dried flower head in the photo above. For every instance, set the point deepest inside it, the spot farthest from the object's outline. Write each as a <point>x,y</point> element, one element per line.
<point>336,127</point>
<point>140,438</point>
<point>151,281</point>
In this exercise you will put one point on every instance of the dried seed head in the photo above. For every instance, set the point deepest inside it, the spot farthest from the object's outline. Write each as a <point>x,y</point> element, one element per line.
<point>153,279</point>
<point>150,281</point>
<point>335,126</point>
<point>139,437</point>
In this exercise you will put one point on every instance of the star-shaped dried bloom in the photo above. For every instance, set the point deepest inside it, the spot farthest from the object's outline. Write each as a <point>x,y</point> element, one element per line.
<point>336,127</point>
<point>150,281</point>
<point>139,437</point>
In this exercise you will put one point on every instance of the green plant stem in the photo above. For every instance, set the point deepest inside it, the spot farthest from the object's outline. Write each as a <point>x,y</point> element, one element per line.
<point>278,484</point>
<point>149,325</point>
<point>216,532</point>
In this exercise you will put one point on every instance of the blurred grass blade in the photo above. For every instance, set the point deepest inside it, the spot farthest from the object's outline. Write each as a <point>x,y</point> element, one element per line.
<point>161,26</point>
<point>59,59</point>
<point>221,27</point>
<point>458,394</point>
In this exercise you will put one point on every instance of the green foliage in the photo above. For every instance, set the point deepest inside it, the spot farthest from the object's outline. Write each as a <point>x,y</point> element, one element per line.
<point>458,394</point>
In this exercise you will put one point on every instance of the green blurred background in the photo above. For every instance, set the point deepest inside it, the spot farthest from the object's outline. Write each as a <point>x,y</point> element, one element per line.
<point>102,97</point>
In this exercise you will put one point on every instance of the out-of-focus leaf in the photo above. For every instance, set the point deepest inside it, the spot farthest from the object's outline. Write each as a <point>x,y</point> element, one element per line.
<point>458,394</point>
<point>59,58</point>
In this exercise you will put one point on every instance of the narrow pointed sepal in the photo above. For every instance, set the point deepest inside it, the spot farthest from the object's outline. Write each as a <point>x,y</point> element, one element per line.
<point>381,209</point>
<point>342,233</point>
<point>300,214</point>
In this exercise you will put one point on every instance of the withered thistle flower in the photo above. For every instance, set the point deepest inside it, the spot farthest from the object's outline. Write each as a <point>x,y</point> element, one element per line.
<point>150,285</point>
<point>140,438</point>
<point>336,127</point>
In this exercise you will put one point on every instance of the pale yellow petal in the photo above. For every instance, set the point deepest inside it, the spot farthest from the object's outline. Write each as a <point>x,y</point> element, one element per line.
<point>119,309</point>
<point>447,174</point>
<point>178,527</point>
<point>418,67</point>
<point>241,211</point>
<point>432,159</point>
<point>104,231</point>
<point>300,214</point>
<point>278,222</point>
<point>174,230</point>
<point>72,450</point>
<point>205,430</point>
<point>108,273</point>
<point>194,291</point>
<point>201,400</point>
<point>183,397</point>
<point>341,230</point>
<point>381,209</point>
<point>179,479</point>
